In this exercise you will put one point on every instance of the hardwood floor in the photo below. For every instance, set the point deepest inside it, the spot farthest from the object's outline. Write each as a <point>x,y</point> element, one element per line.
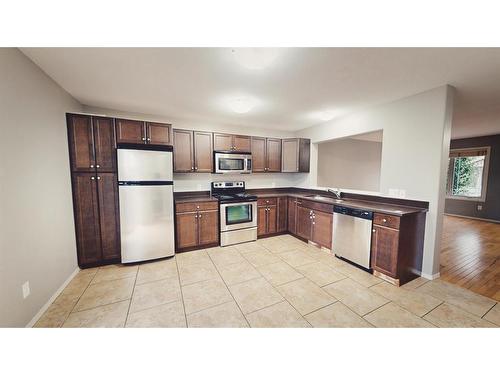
<point>470,254</point>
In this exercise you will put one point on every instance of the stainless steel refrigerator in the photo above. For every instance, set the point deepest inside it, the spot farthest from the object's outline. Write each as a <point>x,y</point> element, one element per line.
<point>146,203</point>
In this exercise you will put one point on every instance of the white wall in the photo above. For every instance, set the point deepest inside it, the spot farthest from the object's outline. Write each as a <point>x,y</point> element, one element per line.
<point>201,181</point>
<point>350,163</point>
<point>414,153</point>
<point>37,235</point>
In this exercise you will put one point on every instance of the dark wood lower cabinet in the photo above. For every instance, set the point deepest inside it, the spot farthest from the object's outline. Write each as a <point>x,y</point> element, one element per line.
<point>196,227</point>
<point>322,229</point>
<point>95,200</point>
<point>303,222</point>
<point>107,191</point>
<point>292,210</point>
<point>282,215</point>
<point>267,217</point>
<point>397,246</point>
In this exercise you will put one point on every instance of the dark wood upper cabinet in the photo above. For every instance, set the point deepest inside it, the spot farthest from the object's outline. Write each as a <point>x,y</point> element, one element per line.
<point>81,143</point>
<point>258,154</point>
<point>266,154</point>
<point>91,143</point>
<point>183,151</point>
<point>223,142</point>
<point>322,228</point>
<point>273,154</point>
<point>130,131</point>
<point>86,212</point>
<point>107,191</point>
<point>295,155</point>
<point>104,141</point>
<point>203,154</point>
<point>242,143</point>
<point>232,142</point>
<point>158,133</point>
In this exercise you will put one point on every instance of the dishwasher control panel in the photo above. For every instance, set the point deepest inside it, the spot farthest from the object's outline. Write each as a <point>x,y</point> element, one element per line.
<point>368,215</point>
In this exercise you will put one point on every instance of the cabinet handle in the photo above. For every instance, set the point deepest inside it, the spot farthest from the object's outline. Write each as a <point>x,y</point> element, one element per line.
<point>314,223</point>
<point>143,138</point>
<point>384,220</point>
<point>91,165</point>
<point>92,178</point>
<point>373,230</point>
<point>196,216</point>
<point>98,177</point>
<point>192,168</point>
<point>98,166</point>
<point>149,139</point>
<point>195,168</point>
<point>197,207</point>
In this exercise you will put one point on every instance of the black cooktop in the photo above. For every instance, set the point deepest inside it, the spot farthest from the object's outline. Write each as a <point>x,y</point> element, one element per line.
<point>237,197</point>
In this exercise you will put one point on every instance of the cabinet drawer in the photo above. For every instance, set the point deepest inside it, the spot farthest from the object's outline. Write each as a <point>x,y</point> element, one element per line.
<point>325,207</point>
<point>266,202</point>
<point>196,206</point>
<point>386,220</point>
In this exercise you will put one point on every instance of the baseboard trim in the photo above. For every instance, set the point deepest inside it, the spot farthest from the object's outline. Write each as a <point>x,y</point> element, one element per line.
<point>429,276</point>
<point>52,299</point>
<point>474,218</point>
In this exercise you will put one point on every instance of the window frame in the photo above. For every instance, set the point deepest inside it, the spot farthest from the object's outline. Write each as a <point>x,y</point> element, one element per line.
<point>484,183</point>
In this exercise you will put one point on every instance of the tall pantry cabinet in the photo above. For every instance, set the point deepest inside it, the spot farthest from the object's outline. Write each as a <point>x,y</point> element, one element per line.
<point>95,189</point>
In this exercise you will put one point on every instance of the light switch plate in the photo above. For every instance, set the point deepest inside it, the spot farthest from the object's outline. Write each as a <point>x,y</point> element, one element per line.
<point>26,289</point>
<point>394,192</point>
<point>479,207</point>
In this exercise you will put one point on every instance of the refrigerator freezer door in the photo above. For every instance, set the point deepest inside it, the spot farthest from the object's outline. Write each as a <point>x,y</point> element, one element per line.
<point>144,165</point>
<point>146,222</point>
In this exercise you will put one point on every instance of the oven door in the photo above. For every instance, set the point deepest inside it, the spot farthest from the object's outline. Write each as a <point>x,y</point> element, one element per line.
<point>238,215</point>
<point>232,163</point>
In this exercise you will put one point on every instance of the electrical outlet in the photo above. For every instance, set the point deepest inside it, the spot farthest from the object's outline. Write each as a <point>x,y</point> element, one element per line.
<point>479,207</point>
<point>394,192</point>
<point>26,289</point>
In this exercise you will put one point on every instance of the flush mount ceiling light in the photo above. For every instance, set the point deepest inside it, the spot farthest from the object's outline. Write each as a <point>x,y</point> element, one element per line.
<point>255,58</point>
<point>325,115</point>
<point>242,104</point>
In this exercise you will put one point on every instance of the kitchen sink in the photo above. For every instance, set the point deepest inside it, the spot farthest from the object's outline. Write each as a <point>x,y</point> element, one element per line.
<point>323,198</point>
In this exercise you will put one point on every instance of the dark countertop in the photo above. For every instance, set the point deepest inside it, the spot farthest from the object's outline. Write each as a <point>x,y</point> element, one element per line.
<point>379,207</point>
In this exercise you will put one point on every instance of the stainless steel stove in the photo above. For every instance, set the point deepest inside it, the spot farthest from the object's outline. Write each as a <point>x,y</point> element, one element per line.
<point>238,212</point>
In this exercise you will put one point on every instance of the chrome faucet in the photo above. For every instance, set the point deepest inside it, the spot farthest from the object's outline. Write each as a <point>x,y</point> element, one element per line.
<point>336,192</point>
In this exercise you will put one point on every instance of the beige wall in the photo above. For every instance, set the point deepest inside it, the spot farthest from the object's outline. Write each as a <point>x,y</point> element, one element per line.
<point>37,235</point>
<point>201,181</point>
<point>350,164</point>
<point>417,132</point>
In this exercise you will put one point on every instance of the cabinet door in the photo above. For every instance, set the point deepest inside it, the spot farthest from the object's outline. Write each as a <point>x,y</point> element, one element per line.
<point>258,154</point>
<point>187,229</point>
<point>104,140</point>
<point>322,229</point>
<point>86,210</point>
<point>385,250</point>
<point>261,221</point>
<point>130,131</point>
<point>271,219</point>
<point>107,191</point>
<point>159,134</point>
<point>273,155</point>
<point>290,157</point>
<point>292,206</point>
<point>223,142</point>
<point>208,227</point>
<point>242,143</point>
<point>282,214</point>
<point>81,143</point>
<point>304,222</point>
<point>203,154</point>
<point>183,151</point>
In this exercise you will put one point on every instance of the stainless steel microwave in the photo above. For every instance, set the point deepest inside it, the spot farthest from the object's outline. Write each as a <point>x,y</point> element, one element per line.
<point>228,162</point>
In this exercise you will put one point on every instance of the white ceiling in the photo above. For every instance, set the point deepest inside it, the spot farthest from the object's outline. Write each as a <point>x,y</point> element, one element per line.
<point>194,83</point>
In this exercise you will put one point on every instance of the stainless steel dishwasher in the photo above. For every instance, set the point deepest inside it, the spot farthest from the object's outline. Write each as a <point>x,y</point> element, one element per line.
<point>352,234</point>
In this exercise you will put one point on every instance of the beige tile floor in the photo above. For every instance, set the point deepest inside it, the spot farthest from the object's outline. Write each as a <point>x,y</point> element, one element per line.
<point>274,282</point>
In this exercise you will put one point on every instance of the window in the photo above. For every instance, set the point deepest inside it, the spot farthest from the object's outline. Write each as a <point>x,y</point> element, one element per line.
<point>468,173</point>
